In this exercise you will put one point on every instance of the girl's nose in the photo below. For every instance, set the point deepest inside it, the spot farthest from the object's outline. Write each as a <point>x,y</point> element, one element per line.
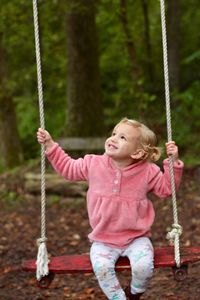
<point>113,138</point>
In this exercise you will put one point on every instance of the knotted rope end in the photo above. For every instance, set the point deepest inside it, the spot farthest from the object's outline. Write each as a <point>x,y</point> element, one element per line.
<point>42,259</point>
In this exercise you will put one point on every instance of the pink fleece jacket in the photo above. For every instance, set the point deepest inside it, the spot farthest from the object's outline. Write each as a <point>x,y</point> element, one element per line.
<point>118,208</point>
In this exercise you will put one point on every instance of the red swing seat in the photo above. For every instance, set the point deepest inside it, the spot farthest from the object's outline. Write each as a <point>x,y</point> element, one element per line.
<point>71,264</point>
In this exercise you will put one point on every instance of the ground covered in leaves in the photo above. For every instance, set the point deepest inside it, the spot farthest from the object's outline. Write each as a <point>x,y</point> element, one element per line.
<point>67,229</point>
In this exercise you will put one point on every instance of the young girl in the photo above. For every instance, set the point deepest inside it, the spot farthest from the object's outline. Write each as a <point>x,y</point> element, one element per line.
<point>119,211</point>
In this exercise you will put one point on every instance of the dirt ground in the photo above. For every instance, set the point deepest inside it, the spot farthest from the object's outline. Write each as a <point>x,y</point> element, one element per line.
<point>67,229</point>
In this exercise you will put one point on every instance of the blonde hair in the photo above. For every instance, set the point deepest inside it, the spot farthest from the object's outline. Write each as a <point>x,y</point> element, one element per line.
<point>148,140</point>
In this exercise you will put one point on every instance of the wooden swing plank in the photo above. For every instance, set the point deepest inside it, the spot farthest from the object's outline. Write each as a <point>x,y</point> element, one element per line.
<point>69,264</point>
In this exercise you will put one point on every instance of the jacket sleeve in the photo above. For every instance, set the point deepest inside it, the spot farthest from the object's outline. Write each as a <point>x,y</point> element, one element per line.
<point>159,182</point>
<point>69,168</point>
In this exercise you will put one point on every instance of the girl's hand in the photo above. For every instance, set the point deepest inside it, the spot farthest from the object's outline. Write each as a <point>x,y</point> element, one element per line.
<point>172,149</point>
<point>44,138</point>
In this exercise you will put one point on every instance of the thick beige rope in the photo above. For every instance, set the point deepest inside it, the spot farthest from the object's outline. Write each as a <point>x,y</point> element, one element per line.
<point>42,257</point>
<point>176,228</point>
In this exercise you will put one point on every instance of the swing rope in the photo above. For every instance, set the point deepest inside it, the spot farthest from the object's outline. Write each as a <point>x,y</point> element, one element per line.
<point>174,234</point>
<point>176,231</point>
<point>42,257</point>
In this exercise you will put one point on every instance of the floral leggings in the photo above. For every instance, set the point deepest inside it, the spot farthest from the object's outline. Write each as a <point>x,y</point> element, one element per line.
<point>103,257</point>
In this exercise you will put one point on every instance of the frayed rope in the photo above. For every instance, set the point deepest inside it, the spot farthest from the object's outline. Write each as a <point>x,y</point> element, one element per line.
<point>42,259</point>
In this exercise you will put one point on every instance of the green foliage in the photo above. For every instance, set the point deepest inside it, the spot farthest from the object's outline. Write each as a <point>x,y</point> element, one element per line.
<point>187,122</point>
<point>53,199</point>
<point>18,33</point>
<point>141,99</point>
<point>192,57</point>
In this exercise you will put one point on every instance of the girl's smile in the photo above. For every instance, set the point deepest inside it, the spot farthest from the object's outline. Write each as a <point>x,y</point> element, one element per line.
<point>112,146</point>
<point>122,144</point>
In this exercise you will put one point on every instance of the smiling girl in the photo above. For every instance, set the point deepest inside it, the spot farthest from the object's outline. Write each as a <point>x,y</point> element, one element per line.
<point>119,211</point>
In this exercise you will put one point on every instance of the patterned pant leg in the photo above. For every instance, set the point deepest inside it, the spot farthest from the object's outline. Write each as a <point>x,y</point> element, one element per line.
<point>141,255</point>
<point>103,260</point>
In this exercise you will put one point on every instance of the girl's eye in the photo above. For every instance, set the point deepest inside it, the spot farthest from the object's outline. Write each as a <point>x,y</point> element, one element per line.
<point>123,137</point>
<point>113,133</point>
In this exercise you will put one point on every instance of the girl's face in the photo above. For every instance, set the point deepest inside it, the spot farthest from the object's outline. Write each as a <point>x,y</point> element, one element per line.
<point>122,145</point>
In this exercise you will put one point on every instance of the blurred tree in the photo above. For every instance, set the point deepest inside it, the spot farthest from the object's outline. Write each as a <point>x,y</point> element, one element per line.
<point>147,40</point>
<point>136,70</point>
<point>11,152</point>
<point>85,113</point>
<point>122,96</point>
<point>174,43</point>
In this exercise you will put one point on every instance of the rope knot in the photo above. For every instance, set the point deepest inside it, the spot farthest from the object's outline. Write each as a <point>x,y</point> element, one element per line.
<point>176,231</point>
<point>41,241</point>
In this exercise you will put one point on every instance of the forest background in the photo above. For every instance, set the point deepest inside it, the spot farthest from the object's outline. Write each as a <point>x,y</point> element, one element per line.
<point>101,60</point>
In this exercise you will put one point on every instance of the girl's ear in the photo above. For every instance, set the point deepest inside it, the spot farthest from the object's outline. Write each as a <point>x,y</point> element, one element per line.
<point>140,153</point>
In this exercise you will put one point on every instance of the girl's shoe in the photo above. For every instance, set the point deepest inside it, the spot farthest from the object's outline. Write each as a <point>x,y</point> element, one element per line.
<point>131,296</point>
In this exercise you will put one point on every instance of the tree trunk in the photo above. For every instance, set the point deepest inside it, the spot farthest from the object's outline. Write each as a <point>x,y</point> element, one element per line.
<point>85,112</point>
<point>147,41</point>
<point>10,148</point>
<point>174,43</point>
<point>129,41</point>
